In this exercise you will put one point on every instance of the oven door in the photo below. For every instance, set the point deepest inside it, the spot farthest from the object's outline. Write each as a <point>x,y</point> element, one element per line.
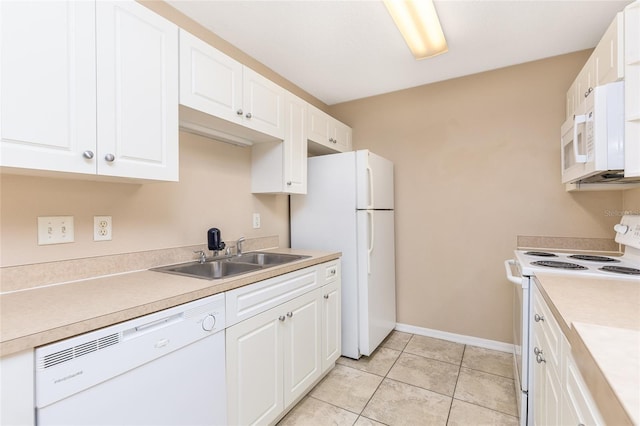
<point>520,323</point>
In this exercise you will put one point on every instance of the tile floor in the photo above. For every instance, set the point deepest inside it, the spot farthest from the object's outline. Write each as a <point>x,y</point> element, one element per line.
<point>414,380</point>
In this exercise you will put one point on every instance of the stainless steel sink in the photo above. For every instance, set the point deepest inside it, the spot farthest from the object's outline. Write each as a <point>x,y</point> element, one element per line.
<point>213,270</point>
<point>266,258</point>
<point>227,267</point>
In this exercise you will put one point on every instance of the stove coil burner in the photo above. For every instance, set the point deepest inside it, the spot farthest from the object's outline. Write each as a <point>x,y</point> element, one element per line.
<point>541,254</point>
<point>621,270</point>
<point>559,265</point>
<point>591,258</point>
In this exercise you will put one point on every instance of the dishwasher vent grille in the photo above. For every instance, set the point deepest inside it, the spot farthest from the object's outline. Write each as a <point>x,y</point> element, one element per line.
<point>68,354</point>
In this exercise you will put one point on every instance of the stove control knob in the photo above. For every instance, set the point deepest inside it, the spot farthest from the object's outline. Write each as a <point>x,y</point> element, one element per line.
<point>208,322</point>
<point>621,229</point>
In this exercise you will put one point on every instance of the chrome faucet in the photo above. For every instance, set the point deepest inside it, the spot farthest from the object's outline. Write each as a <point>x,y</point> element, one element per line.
<point>202,257</point>
<point>239,246</point>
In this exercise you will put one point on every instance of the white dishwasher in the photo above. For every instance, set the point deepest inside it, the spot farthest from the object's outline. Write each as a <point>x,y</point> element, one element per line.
<point>166,368</point>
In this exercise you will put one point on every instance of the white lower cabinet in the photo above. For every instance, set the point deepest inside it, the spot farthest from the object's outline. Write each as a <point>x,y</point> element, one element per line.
<point>560,396</point>
<point>275,356</point>
<point>17,389</point>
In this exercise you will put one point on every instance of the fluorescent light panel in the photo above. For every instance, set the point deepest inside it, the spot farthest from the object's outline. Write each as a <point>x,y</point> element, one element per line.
<point>418,23</point>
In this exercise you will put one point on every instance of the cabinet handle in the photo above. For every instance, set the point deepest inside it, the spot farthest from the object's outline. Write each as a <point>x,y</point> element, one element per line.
<point>326,296</point>
<point>281,318</point>
<point>88,154</point>
<point>540,360</point>
<point>109,158</point>
<point>289,314</point>
<point>538,318</point>
<point>588,91</point>
<point>248,115</point>
<point>239,112</point>
<point>537,351</point>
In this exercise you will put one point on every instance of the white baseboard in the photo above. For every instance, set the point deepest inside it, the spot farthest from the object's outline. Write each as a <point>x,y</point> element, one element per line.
<point>458,338</point>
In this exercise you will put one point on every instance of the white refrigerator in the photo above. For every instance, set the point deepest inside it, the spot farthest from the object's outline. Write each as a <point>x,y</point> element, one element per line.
<point>349,208</point>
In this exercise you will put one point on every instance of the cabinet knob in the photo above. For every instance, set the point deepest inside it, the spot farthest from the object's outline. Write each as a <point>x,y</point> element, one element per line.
<point>240,112</point>
<point>538,318</point>
<point>540,360</point>
<point>288,183</point>
<point>281,318</point>
<point>248,115</point>
<point>88,154</point>
<point>537,351</point>
<point>588,91</point>
<point>109,158</point>
<point>289,314</point>
<point>326,296</point>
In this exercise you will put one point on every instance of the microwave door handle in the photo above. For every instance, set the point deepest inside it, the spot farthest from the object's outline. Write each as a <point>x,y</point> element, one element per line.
<point>580,158</point>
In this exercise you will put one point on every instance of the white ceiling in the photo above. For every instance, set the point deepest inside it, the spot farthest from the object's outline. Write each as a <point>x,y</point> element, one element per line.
<point>341,50</point>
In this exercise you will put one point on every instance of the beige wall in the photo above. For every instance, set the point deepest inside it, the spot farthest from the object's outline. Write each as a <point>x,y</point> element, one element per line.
<point>476,164</point>
<point>632,201</point>
<point>214,191</point>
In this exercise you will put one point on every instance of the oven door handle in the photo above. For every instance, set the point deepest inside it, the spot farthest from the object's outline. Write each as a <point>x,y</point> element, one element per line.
<point>580,158</point>
<point>507,266</point>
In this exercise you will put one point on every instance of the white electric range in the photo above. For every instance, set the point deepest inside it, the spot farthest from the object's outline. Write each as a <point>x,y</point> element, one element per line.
<point>624,266</point>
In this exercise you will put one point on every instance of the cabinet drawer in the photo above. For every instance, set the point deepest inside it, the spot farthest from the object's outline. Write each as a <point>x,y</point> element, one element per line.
<point>245,302</point>
<point>330,271</point>
<point>552,334</point>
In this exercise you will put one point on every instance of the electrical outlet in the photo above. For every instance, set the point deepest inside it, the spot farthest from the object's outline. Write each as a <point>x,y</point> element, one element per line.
<point>55,230</point>
<point>256,220</point>
<point>102,228</point>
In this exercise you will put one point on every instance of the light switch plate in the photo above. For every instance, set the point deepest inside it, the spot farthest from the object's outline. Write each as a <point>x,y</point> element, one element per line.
<point>256,220</point>
<point>55,230</point>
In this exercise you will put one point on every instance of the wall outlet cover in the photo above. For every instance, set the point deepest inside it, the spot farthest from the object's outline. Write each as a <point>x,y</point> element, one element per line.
<point>102,228</point>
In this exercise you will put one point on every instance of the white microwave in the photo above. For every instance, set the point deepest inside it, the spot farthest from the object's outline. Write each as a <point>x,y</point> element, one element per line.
<point>592,142</point>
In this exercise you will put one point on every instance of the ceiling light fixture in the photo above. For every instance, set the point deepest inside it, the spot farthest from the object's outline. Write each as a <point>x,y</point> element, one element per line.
<point>418,23</point>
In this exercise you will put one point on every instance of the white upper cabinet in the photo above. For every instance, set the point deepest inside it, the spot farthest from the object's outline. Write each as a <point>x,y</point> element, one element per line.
<point>89,88</point>
<point>137,70</point>
<point>281,167</point>
<point>225,99</point>
<point>605,65</point>
<point>48,85</point>
<point>210,81</point>
<point>632,90</point>
<point>326,134</point>
<point>608,56</point>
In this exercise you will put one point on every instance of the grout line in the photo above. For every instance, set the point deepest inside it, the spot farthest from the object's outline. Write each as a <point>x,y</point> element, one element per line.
<point>464,349</point>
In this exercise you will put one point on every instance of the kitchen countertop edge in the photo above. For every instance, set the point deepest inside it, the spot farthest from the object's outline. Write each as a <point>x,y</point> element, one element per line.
<point>175,290</point>
<point>596,378</point>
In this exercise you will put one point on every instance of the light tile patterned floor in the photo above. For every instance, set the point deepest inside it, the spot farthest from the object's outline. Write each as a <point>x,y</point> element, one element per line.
<point>414,380</point>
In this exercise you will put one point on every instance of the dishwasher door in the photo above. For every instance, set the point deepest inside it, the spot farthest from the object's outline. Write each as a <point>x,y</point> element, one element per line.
<point>164,369</point>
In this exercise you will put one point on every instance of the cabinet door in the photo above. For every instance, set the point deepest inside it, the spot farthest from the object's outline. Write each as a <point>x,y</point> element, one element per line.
<point>295,146</point>
<point>318,125</point>
<point>331,324</point>
<point>137,69</point>
<point>262,104</point>
<point>546,386</point>
<point>210,81</point>
<point>48,85</point>
<point>301,343</point>
<point>609,53</point>
<point>255,369</point>
<point>342,136</point>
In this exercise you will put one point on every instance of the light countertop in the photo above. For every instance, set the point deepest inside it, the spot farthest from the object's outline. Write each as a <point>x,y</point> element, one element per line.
<point>601,320</point>
<point>46,314</point>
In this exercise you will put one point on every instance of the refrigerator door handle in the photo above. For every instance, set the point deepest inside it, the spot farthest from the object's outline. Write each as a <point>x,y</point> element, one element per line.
<point>371,240</point>
<point>370,173</point>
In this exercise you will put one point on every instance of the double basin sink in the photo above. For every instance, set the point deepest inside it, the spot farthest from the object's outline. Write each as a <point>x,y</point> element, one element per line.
<point>226,267</point>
